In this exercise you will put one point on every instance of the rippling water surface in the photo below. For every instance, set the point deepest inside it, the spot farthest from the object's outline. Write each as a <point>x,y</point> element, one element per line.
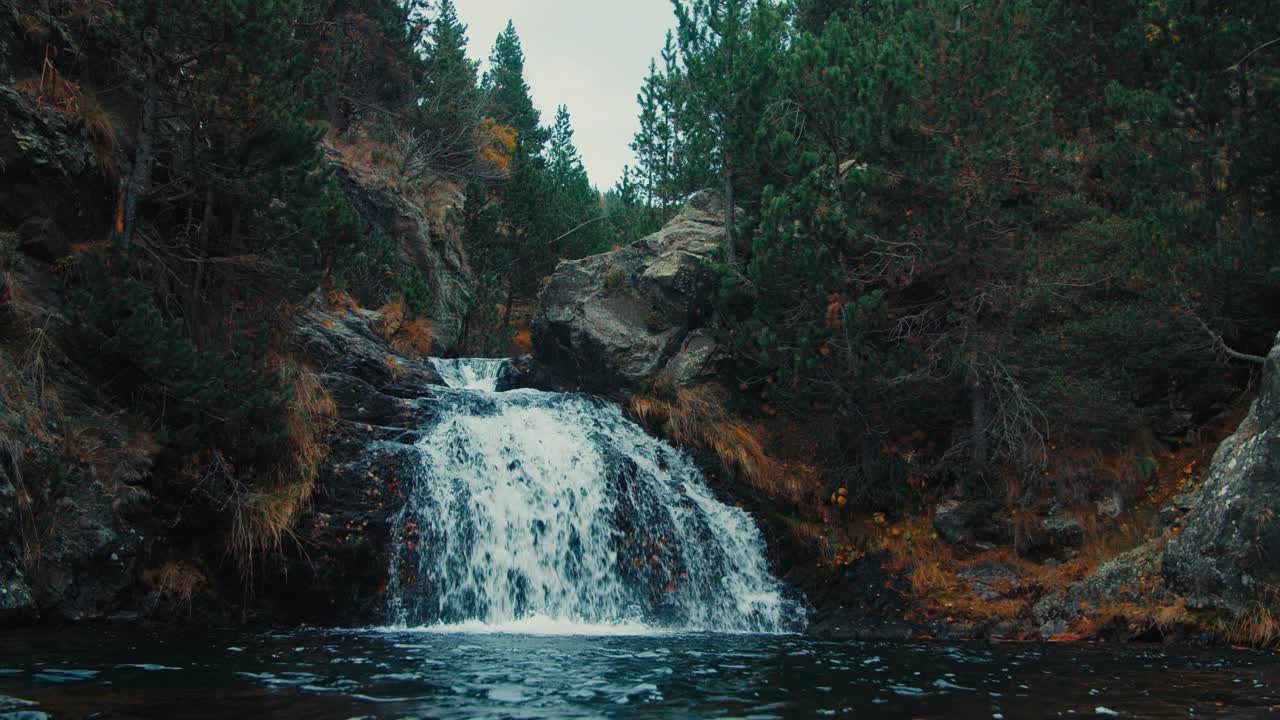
<point>528,671</point>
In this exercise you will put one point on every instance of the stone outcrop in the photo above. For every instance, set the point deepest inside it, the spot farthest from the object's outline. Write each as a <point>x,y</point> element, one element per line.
<point>382,399</point>
<point>434,249</point>
<point>1226,557</point>
<point>525,372</point>
<point>621,318</point>
<point>962,523</point>
<point>1222,557</point>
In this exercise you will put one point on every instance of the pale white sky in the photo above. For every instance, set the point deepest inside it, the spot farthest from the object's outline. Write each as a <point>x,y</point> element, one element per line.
<point>591,55</point>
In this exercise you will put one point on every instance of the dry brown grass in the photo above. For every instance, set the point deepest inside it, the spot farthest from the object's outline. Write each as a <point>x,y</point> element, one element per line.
<point>1258,627</point>
<point>697,417</point>
<point>265,517</point>
<point>81,107</point>
<point>100,127</point>
<point>411,337</point>
<point>373,159</point>
<point>175,581</point>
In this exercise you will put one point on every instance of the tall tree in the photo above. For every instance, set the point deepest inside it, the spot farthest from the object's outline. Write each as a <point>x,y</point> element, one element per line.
<point>577,212</point>
<point>508,92</point>
<point>443,128</point>
<point>729,49</point>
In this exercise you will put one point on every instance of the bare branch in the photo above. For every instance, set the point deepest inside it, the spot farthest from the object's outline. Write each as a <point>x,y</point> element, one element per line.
<point>1221,345</point>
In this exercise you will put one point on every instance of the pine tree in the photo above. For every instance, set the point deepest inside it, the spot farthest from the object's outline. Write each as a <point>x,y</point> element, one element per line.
<point>654,144</point>
<point>729,49</point>
<point>508,92</point>
<point>576,206</point>
<point>442,129</point>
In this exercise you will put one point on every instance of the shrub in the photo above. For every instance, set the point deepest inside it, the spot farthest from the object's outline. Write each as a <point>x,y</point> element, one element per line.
<point>264,515</point>
<point>697,417</point>
<point>615,279</point>
<point>216,398</point>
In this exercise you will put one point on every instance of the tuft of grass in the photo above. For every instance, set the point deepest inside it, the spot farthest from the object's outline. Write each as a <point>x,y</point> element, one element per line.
<point>1258,627</point>
<point>412,337</point>
<point>175,581</point>
<point>100,128</point>
<point>264,517</point>
<point>615,279</point>
<point>697,417</point>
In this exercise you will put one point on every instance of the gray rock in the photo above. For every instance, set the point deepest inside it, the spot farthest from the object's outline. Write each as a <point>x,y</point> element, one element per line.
<point>1225,558</point>
<point>1132,577</point>
<point>993,580</point>
<point>1052,536</point>
<point>345,343</point>
<point>623,317</point>
<point>525,372</point>
<point>1110,508</point>
<point>966,522</point>
<point>695,359</point>
<point>79,579</point>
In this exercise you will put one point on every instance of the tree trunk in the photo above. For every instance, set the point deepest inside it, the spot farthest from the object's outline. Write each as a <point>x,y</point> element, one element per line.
<point>978,420</point>
<point>202,258</point>
<point>332,99</point>
<point>139,185</point>
<point>729,250</point>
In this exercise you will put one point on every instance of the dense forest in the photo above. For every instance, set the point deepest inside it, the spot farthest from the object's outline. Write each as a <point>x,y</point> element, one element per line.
<point>972,229</point>
<point>1012,253</point>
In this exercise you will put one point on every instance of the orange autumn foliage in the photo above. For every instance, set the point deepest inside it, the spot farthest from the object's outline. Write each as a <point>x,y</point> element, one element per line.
<point>497,144</point>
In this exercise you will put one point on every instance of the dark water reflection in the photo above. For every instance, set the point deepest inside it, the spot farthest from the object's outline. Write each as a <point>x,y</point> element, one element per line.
<point>109,673</point>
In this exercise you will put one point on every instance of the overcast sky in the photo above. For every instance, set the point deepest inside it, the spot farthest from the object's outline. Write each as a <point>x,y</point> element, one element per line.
<point>591,55</point>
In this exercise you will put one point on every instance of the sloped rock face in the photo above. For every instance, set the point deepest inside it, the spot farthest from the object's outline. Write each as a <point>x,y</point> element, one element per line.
<point>16,599</point>
<point>435,250</point>
<point>1131,578</point>
<point>621,318</point>
<point>1227,556</point>
<point>383,398</point>
<point>53,194</point>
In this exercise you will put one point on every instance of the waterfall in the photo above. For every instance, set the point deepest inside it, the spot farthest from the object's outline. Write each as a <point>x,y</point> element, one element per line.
<point>553,505</point>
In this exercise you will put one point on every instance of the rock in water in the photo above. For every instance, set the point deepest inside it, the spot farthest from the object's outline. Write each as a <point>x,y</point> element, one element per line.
<point>1226,557</point>
<point>623,317</point>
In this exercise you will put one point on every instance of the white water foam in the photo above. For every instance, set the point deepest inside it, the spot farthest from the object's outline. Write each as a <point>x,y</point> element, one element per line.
<point>470,374</point>
<point>541,625</point>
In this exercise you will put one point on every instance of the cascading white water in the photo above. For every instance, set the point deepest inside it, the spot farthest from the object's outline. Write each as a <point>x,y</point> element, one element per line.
<point>556,506</point>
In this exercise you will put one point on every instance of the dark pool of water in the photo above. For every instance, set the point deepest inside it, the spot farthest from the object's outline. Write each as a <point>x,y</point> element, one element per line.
<point>114,673</point>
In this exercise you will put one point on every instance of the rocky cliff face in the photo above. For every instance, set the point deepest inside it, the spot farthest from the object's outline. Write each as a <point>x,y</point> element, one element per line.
<point>1228,555</point>
<point>337,570</point>
<point>434,249</point>
<point>71,526</point>
<point>88,505</point>
<point>622,318</point>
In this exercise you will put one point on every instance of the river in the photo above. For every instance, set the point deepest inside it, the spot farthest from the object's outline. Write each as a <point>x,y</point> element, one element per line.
<point>524,672</point>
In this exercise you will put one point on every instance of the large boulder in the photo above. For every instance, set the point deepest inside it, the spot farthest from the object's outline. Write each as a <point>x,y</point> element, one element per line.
<point>621,318</point>
<point>1225,558</point>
